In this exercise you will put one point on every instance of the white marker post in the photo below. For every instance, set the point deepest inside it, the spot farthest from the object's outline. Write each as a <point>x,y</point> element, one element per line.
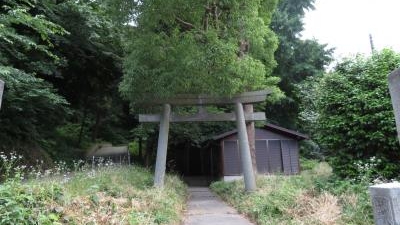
<point>386,203</point>
<point>394,88</point>
<point>1,91</point>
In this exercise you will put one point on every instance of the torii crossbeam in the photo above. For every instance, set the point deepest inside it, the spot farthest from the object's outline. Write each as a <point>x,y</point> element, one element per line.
<point>239,116</point>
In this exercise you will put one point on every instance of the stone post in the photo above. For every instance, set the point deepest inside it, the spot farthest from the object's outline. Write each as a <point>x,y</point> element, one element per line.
<point>1,91</point>
<point>247,167</point>
<point>394,88</point>
<point>386,203</point>
<point>162,147</point>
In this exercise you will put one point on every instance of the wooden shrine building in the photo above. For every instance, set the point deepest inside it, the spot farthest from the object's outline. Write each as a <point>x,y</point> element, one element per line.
<point>276,150</point>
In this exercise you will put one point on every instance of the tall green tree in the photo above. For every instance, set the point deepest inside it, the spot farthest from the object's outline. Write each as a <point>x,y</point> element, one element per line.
<point>89,81</point>
<point>350,113</point>
<point>31,107</point>
<point>213,47</point>
<point>199,47</point>
<point>297,59</point>
<point>54,52</point>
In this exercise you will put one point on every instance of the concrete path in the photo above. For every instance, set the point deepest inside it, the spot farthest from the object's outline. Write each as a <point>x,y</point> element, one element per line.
<point>204,208</point>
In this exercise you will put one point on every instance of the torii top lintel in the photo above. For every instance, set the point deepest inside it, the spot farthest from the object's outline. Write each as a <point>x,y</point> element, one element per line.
<point>245,98</point>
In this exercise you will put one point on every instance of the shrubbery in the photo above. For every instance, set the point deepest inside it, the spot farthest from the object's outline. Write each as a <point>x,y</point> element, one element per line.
<point>350,115</point>
<point>314,197</point>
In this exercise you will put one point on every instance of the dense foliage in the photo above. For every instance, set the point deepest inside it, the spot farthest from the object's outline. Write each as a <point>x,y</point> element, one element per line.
<point>350,114</point>
<point>60,61</point>
<point>214,47</point>
<point>31,107</point>
<point>296,59</point>
<point>93,52</point>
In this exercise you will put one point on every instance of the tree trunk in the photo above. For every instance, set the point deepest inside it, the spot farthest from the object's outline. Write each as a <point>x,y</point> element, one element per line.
<point>96,126</point>
<point>140,150</point>
<point>147,152</point>
<point>251,134</point>
<point>147,158</point>
<point>82,126</point>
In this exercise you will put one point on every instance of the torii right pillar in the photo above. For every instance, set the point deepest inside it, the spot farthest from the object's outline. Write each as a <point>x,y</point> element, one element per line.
<point>247,165</point>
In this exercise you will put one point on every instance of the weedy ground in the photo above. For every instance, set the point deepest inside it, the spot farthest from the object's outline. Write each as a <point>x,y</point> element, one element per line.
<point>107,194</point>
<point>315,197</point>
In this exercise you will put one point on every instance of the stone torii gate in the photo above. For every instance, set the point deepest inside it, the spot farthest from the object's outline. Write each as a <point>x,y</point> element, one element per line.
<point>202,116</point>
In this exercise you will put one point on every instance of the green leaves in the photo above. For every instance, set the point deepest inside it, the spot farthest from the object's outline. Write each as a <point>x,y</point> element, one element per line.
<point>30,107</point>
<point>297,59</point>
<point>26,204</point>
<point>353,111</point>
<point>219,47</point>
<point>26,38</point>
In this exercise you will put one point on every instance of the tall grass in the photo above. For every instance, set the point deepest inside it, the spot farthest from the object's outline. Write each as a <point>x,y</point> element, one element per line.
<point>106,194</point>
<point>314,197</point>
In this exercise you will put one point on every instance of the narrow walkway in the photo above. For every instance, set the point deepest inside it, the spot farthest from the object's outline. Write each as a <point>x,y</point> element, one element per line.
<point>204,208</point>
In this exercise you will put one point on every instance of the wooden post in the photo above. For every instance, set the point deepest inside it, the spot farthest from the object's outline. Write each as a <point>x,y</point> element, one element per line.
<point>140,150</point>
<point>394,88</point>
<point>129,158</point>
<point>247,167</point>
<point>187,155</point>
<point>212,163</point>
<point>162,147</point>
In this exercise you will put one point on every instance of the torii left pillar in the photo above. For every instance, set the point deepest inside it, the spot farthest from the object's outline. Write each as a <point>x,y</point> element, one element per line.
<point>162,147</point>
